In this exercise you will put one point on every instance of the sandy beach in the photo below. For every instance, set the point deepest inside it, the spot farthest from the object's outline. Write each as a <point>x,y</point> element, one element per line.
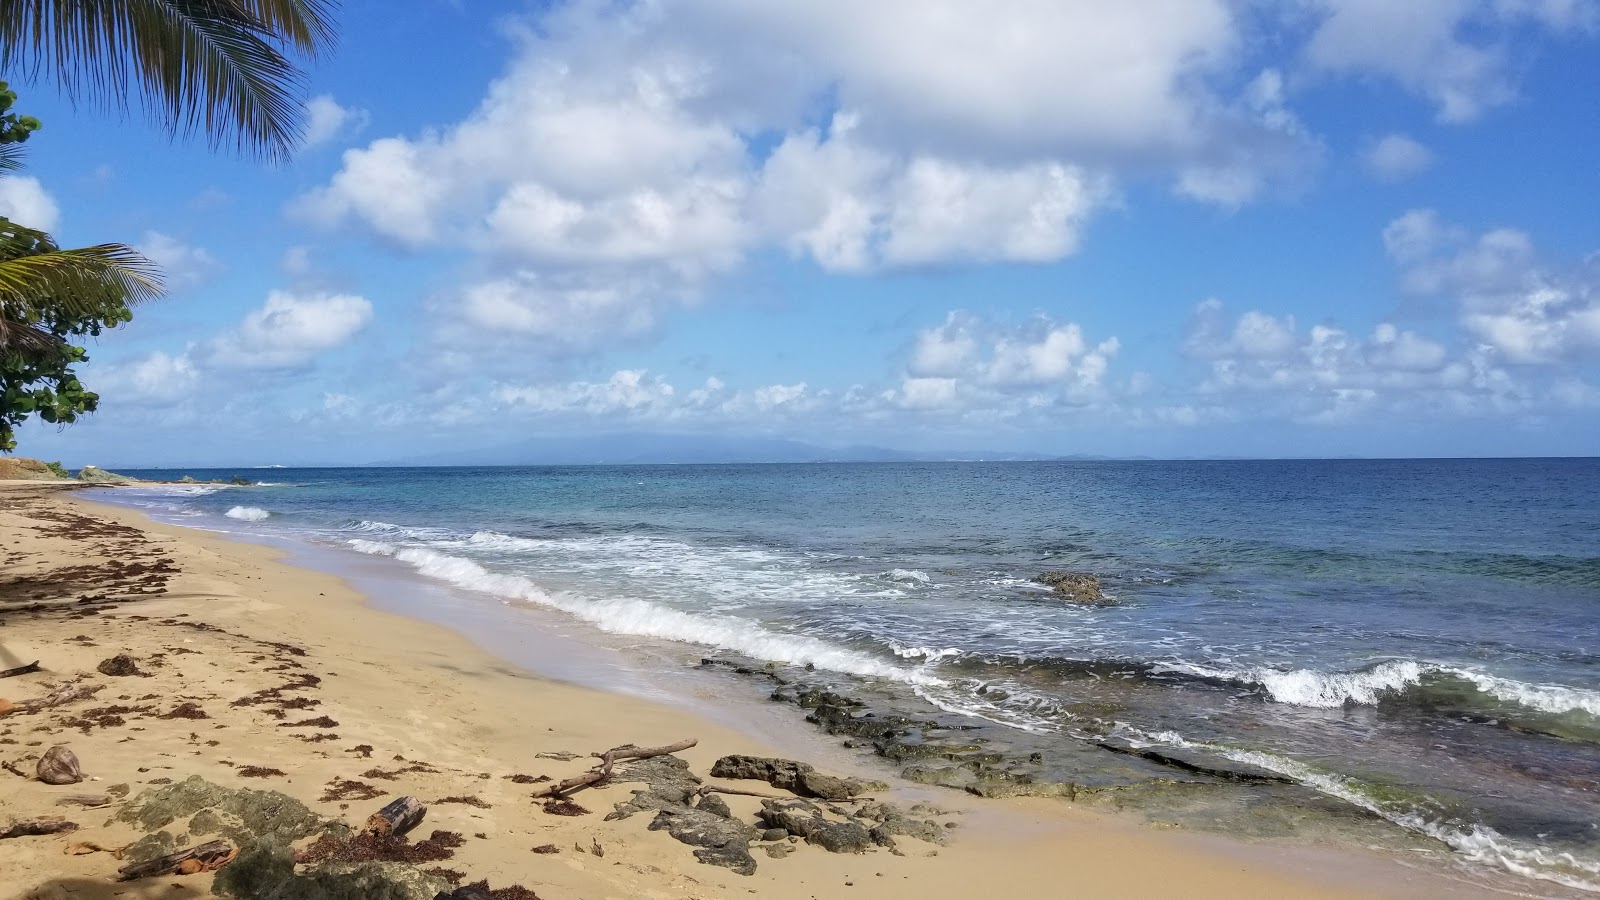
<point>255,674</point>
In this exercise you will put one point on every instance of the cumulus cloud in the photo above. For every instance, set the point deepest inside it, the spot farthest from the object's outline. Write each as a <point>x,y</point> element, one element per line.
<point>1396,157</point>
<point>1266,366</point>
<point>183,266</point>
<point>25,201</point>
<point>154,379</point>
<point>1451,52</point>
<point>289,331</point>
<point>327,120</point>
<point>1525,311</point>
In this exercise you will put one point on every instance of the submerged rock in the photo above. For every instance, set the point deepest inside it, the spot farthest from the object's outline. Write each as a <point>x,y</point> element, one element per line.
<point>1077,587</point>
<point>1197,761</point>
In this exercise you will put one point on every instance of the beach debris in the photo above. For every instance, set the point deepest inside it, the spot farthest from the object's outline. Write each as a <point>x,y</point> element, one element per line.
<point>20,670</point>
<point>1078,587</point>
<point>119,666</point>
<point>87,801</point>
<point>561,806</point>
<point>788,774</point>
<point>345,789</point>
<point>65,692</point>
<point>6,706</point>
<point>480,890</point>
<point>59,765</point>
<point>84,848</point>
<point>206,857</point>
<point>397,817</point>
<point>608,761</point>
<point>12,828</point>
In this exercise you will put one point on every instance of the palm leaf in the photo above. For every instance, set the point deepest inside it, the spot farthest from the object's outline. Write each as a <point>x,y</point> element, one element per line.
<point>213,66</point>
<point>38,278</point>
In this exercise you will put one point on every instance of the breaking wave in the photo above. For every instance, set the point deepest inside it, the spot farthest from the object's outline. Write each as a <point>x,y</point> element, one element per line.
<point>247,513</point>
<point>621,615</point>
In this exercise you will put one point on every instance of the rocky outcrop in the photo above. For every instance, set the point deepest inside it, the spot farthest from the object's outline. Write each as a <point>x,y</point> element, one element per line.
<point>1076,587</point>
<point>1196,761</point>
<point>790,775</point>
<point>20,468</point>
<point>97,475</point>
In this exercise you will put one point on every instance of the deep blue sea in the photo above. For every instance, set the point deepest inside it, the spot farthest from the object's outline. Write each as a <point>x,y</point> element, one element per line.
<point>1419,637</point>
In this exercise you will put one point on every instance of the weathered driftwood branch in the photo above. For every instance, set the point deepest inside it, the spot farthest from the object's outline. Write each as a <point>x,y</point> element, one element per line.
<point>719,789</point>
<point>203,858</point>
<point>10,828</point>
<point>20,670</point>
<point>397,817</point>
<point>65,692</point>
<point>87,801</point>
<point>609,759</point>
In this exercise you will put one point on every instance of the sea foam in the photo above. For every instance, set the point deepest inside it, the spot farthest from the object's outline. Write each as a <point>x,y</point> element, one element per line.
<point>622,615</point>
<point>247,513</point>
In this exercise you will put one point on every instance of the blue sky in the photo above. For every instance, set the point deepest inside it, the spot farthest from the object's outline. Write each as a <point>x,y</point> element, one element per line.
<point>1166,228</point>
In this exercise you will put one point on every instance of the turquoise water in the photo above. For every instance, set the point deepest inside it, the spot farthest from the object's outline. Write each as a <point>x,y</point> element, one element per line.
<point>1377,629</point>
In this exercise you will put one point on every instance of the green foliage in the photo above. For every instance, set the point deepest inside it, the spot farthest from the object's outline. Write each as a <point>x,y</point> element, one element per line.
<point>14,129</point>
<point>49,299</point>
<point>57,469</point>
<point>227,69</point>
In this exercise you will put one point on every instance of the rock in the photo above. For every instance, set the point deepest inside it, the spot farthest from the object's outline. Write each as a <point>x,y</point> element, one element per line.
<point>1197,761</point>
<point>59,765</point>
<point>151,846</point>
<point>714,804</point>
<point>788,774</point>
<point>245,817</point>
<point>267,873</point>
<point>118,666</point>
<point>805,820</point>
<point>723,841</point>
<point>774,834</point>
<point>778,851</point>
<point>1078,587</point>
<point>97,475</point>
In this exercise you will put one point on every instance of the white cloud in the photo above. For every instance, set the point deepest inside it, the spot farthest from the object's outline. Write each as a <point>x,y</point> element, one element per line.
<point>1451,52</point>
<point>183,266</point>
<point>1396,157</point>
<point>326,120</point>
<point>1527,313</point>
<point>560,312</point>
<point>25,201</point>
<point>156,379</point>
<point>290,330</point>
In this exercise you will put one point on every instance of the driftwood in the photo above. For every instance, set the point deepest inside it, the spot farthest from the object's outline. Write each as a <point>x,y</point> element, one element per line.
<point>87,801</point>
<point>10,828</point>
<point>609,759</point>
<point>397,817</point>
<point>66,692</point>
<point>719,789</point>
<point>20,670</point>
<point>204,858</point>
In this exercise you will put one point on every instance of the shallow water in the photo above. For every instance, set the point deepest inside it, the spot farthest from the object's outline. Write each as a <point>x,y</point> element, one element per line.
<point>1418,638</point>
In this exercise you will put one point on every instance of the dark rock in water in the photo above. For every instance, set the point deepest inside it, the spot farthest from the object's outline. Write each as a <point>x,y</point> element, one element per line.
<point>723,841</point>
<point>788,774</point>
<point>59,765</point>
<point>1197,761</point>
<point>120,665</point>
<point>1078,587</point>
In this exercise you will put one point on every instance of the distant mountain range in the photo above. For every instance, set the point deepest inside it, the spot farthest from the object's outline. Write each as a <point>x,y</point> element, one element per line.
<point>630,448</point>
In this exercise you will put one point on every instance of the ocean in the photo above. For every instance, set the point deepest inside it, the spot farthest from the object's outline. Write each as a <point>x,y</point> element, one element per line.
<point>1416,641</point>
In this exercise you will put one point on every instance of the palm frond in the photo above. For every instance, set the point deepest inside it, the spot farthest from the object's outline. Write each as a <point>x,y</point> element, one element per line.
<point>82,281</point>
<point>212,66</point>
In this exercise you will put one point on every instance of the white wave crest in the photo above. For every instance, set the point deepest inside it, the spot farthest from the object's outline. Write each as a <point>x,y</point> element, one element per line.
<point>621,615</point>
<point>907,576</point>
<point>928,654</point>
<point>247,513</point>
<point>1475,842</point>
<point>1550,698</point>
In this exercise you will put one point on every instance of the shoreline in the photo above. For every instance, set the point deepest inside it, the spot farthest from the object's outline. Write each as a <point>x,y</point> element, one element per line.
<point>422,690</point>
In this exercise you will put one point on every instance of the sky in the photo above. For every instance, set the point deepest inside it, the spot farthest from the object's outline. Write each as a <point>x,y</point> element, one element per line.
<point>1162,228</point>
